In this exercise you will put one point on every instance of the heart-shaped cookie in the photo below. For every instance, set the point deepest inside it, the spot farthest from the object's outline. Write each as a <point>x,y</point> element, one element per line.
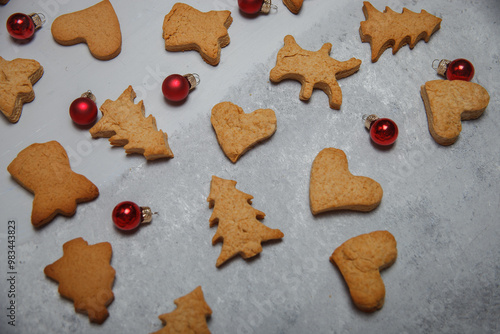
<point>448,103</point>
<point>333,187</point>
<point>98,26</point>
<point>237,132</point>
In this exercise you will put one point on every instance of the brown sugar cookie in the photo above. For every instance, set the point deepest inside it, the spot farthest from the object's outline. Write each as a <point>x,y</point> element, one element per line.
<point>85,277</point>
<point>4,2</point>
<point>448,103</point>
<point>293,5</point>
<point>389,29</point>
<point>238,132</point>
<point>360,260</point>
<point>17,78</point>
<point>186,28</point>
<point>190,316</point>
<point>124,123</point>
<point>97,26</point>
<point>314,69</point>
<point>44,170</point>
<point>333,187</point>
<point>238,226</point>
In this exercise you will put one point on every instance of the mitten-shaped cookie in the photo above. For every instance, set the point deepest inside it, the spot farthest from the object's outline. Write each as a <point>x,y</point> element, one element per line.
<point>360,260</point>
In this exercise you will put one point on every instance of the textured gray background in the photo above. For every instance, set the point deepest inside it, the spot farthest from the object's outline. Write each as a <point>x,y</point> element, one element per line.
<point>441,203</point>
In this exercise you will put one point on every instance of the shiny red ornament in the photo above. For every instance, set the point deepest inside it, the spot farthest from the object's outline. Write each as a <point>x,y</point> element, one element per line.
<point>176,87</point>
<point>22,27</point>
<point>83,110</point>
<point>383,131</point>
<point>254,6</point>
<point>458,69</point>
<point>250,6</point>
<point>128,215</point>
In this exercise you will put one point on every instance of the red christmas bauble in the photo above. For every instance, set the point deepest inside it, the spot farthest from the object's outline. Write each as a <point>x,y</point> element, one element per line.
<point>127,215</point>
<point>83,111</point>
<point>175,87</point>
<point>384,131</point>
<point>460,69</point>
<point>20,26</point>
<point>250,6</point>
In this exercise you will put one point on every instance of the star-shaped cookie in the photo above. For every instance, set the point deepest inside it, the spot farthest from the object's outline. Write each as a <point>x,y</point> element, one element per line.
<point>186,28</point>
<point>190,316</point>
<point>17,78</point>
<point>238,132</point>
<point>333,187</point>
<point>314,69</point>
<point>85,277</point>
<point>124,123</point>
<point>44,169</point>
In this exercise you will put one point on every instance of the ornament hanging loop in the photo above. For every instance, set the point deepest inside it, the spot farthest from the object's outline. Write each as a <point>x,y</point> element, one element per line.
<point>267,6</point>
<point>88,94</point>
<point>146,214</point>
<point>441,66</point>
<point>38,19</point>
<point>369,119</point>
<point>193,79</point>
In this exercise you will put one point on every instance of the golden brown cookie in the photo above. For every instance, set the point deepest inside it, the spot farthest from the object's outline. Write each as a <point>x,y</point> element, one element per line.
<point>186,28</point>
<point>17,78</point>
<point>4,2</point>
<point>85,277</point>
<point>360,260</point>
<point>313,69</point>
<point>293,5</point>
<point>124,123</point>
<point>333,187</point>
<point>190,316</point>
<point>44,170</point>
<point>238,132</point>
<point>389,29</point>
<point>448,103</point>
<point>97,26</point>
<point>238,227</point>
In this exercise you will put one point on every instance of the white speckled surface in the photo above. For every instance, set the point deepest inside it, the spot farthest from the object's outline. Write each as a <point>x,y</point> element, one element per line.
<point>441,203</point>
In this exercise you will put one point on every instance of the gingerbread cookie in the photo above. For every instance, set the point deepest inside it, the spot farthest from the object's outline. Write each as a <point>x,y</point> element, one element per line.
<point>17,78</point>
<point>44,170</point>
<point>124,123</point>
<point>360,260</point>
<point>238,227</point>
<point>293,5</point>
<point>186,28</point>
<point>389,29</point>
<point>85,277</point>
<point>97,26</point>
<point>333,187</point>
<point>447,103</point>
<point>238,132</point>
<point>313,69</point>
<point>190,316</point>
